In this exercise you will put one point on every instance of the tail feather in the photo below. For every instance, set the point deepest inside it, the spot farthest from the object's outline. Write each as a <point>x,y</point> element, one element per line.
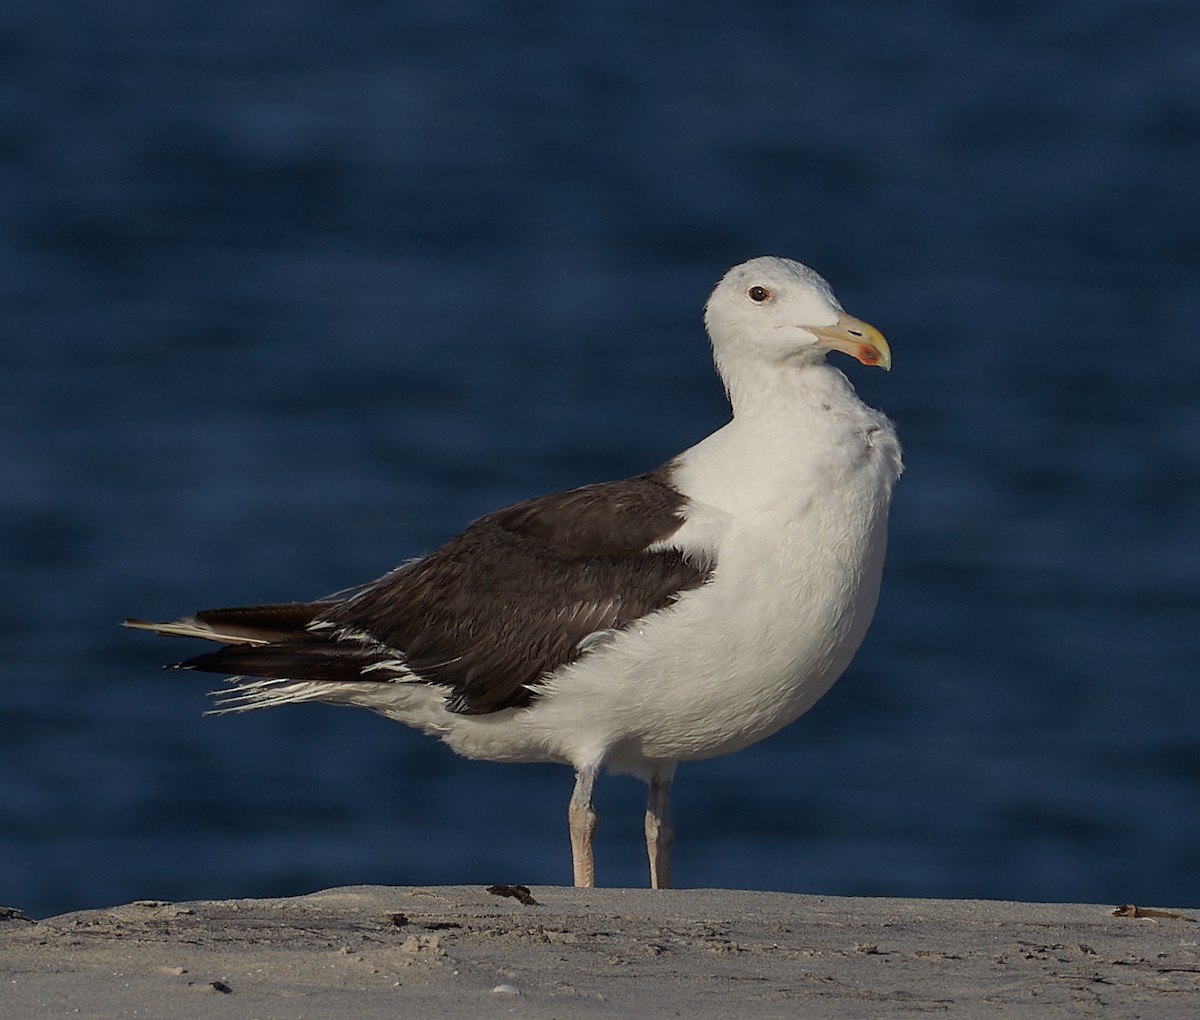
<point>280,654</point>
<point>302,658</point>
<point>240,625</point>
<point>246,694</point>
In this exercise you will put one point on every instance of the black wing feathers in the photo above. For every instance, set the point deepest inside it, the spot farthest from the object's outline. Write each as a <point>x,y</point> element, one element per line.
<point>304,657</point>
<point>500,605</point>
<point>263,623</point>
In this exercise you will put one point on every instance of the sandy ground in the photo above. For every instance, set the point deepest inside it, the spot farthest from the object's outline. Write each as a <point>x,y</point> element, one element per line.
<point>375,952</point>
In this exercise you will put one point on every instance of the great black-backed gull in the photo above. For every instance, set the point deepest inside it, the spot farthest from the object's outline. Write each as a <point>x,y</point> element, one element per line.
<point>630,625</point>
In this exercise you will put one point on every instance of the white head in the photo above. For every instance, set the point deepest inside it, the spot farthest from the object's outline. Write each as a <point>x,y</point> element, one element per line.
<point>776,312</point>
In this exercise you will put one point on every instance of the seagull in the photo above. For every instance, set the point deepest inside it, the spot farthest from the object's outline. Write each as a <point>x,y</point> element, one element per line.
<point>628,625</point>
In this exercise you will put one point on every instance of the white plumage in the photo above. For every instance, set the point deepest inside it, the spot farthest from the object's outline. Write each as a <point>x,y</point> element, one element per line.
<point>765,545</point>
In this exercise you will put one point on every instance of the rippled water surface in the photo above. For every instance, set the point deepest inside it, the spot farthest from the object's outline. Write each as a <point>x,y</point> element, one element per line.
<point>290,292</point>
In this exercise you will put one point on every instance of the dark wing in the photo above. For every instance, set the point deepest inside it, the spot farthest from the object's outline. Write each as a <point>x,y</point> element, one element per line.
<point>501,604</point>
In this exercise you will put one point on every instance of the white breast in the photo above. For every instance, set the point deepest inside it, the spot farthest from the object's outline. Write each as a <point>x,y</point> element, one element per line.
<point>799,536</point>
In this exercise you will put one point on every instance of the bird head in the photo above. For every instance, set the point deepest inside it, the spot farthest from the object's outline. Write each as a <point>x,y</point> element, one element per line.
<point>778,311</point>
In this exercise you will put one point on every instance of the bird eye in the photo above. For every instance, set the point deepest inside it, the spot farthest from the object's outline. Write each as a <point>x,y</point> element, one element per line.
<point>759,294</point>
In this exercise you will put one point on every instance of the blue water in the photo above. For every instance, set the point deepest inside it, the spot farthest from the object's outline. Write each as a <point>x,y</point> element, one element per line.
<point>289,292</point>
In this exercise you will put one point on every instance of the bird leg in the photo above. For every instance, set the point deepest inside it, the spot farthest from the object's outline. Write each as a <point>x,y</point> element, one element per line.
<point>659,834</point>
<point>582,818</point>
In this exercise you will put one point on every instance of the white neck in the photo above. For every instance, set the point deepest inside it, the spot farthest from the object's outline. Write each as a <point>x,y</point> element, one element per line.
<point>793,427</point>
<point>759,389</point>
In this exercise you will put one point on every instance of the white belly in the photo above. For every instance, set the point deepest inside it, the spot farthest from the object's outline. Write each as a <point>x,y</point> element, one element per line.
<point>728,665</point>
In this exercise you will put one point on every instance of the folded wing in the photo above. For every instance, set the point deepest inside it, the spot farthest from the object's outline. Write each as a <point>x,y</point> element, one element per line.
<point>486,615</point>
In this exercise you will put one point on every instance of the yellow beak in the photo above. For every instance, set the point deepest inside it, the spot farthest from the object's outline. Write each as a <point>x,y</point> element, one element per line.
<point>857,338</point>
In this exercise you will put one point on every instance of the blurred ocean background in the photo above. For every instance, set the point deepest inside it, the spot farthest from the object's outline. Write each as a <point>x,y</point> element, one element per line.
<point>291,291</point>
